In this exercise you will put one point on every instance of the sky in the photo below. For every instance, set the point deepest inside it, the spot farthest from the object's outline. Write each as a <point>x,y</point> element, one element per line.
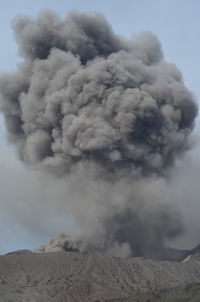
<point>176,24</point>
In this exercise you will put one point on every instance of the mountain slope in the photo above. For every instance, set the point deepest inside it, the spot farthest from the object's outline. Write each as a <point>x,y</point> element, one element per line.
<point>70,277</point>
<point>188,293</point>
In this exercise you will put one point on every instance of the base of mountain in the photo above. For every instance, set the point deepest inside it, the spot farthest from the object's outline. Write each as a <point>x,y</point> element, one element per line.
<point>188,293</point>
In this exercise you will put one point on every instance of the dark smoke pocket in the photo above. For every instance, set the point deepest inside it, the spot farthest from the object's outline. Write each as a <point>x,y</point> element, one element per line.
<point>84,96</point>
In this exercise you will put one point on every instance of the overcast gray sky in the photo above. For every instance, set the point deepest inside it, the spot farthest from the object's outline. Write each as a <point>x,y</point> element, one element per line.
<point>177,25</point>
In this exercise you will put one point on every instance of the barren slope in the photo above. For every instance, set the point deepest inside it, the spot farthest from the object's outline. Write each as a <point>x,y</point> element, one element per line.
<point>70,277</point>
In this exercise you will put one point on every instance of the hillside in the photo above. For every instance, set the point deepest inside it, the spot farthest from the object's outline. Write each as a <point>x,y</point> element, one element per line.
<point>73,277</point>
<point>187,293</point>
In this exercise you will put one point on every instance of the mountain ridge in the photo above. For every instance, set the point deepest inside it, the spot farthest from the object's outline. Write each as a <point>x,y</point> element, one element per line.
<point>74,277</point>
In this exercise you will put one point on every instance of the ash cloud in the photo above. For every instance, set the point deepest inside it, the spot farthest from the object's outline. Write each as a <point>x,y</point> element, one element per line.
<point>106,114</point>
<point>126,218</point>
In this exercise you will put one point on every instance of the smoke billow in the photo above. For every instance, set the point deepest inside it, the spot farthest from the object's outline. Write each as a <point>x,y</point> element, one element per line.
<point>106,114</point>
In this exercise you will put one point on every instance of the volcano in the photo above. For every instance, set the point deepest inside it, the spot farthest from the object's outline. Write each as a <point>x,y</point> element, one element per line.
<point>74,276</point>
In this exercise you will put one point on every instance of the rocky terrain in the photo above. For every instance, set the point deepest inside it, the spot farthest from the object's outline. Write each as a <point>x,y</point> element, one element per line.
<point>75,277</point>
<point>187,293</point>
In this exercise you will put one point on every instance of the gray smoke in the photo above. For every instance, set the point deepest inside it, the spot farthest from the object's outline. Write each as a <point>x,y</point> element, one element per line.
<point>110,113</point>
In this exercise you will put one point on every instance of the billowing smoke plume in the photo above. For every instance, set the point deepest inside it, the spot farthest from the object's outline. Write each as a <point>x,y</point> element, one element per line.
<point>86,103</point>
